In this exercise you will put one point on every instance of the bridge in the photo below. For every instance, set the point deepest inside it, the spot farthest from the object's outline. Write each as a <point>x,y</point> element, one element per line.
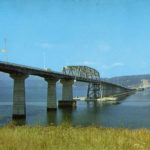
<point>67,77</point>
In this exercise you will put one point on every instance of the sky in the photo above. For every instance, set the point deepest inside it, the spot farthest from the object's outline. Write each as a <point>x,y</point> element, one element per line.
<point>112,36</point>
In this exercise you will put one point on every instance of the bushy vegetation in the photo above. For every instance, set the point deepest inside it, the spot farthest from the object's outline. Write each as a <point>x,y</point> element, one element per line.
<point>66,137</point>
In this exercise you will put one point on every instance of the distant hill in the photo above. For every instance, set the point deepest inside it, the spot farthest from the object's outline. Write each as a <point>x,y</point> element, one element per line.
<point>7,81</point>
<point>32,81</point>
<point>132,81</point>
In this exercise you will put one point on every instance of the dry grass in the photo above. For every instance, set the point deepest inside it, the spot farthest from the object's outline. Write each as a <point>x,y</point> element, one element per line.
<point>66,137</point>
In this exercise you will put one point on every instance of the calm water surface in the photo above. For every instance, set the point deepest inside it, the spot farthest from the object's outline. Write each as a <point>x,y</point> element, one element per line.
<point>131,112</point>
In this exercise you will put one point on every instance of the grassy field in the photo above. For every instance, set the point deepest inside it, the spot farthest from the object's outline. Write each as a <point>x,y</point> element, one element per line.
<point>66,137</point>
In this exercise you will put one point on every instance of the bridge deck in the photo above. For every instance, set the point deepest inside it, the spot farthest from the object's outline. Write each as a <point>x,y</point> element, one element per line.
<point>13,68</point>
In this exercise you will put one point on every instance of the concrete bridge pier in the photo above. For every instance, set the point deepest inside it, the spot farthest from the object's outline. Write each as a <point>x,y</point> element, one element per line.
<point>51,94</point>
<point>19,105</point>
<point>67,94</point>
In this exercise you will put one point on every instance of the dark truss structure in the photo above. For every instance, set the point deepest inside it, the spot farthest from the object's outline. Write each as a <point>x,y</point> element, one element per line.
<point>94,89</point>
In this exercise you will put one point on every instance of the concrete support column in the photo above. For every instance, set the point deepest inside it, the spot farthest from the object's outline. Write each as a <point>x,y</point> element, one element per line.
<point>19,106</point>
<point>51,94</point>
<point>67,93</point>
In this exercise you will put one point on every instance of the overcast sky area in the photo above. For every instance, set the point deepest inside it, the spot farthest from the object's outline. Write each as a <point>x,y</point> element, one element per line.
<point>112,36</point>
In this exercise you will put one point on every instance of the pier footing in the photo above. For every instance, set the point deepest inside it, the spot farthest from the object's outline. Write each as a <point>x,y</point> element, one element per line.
<point>19,117</point>
<point>51,109</point>
<point>71,103</point>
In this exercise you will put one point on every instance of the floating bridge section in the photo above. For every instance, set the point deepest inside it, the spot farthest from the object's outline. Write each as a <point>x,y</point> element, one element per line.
<point>69,74</point>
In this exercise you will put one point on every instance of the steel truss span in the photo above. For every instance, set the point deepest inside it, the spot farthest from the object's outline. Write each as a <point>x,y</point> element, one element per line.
<point>85,72</point>
<point>81,71</point>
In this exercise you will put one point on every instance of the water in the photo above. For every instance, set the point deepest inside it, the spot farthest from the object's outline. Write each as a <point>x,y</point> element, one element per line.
<point>132,112</point>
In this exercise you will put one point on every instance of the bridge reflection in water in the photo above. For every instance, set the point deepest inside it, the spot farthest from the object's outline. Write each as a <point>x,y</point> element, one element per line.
<point>70,74</point>
<point>132,112</point>
<point>87,113</point>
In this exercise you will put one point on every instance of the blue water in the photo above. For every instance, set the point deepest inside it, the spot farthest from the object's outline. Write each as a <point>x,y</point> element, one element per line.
<point>132,112</point>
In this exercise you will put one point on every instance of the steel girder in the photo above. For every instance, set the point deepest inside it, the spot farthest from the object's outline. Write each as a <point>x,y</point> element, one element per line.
<point>81,71</point>
<point>85,72</point>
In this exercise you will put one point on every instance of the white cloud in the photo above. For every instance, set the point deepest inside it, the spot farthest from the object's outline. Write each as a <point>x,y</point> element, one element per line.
<point>104,47</point>
<point>105,66</point>
<point>99,66</point>
<point>117,64</point>
<point>88,63</point>
<point>46,45</point>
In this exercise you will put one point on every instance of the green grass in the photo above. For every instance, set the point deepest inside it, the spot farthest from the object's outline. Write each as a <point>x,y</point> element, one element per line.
<point>66,137</point>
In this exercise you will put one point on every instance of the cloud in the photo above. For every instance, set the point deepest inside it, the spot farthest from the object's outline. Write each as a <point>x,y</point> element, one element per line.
<point>88,63</point>
<point>104,47</point>
<point>105,66</point>
<point>117,64</point>
<point>99,66</point>
<point>46,45</point>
